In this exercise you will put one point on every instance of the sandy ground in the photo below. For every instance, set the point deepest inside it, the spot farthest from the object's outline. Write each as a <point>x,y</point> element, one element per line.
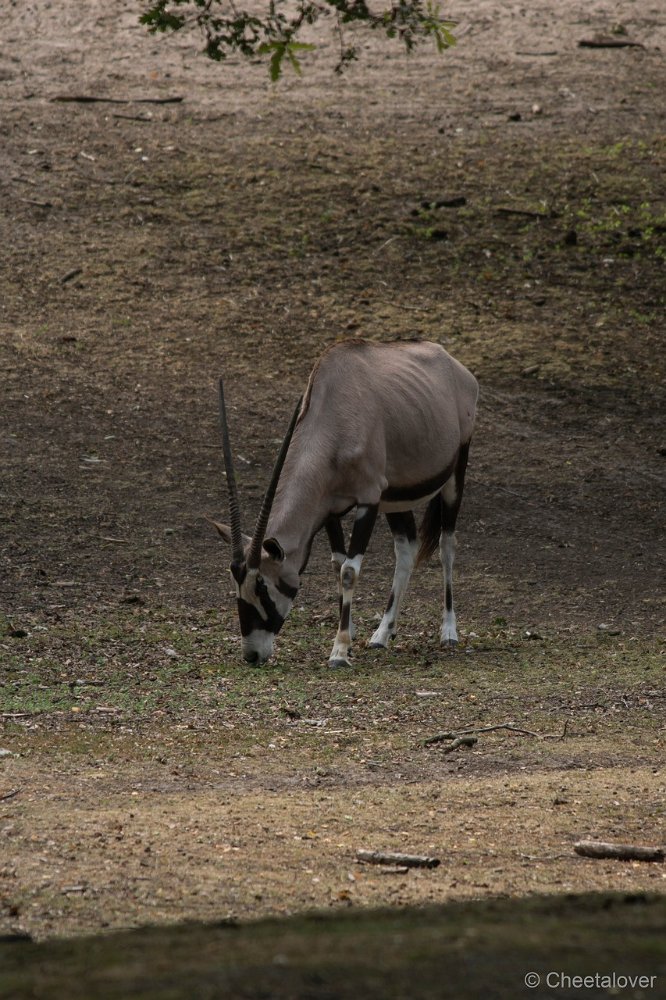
<point>148,247</point>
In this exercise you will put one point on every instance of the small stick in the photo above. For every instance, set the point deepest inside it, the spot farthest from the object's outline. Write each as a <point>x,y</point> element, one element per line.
<point>522,211</point>
<point>503,489</point>
<point>70,275</point>
<point>401,305</point>
<point>503,725</point>
<point>403,860</point>
<point>134,118</point>
<point>39,204</point>
<point>384,244</point>
<point>9,795</point>
<point>621,852</point>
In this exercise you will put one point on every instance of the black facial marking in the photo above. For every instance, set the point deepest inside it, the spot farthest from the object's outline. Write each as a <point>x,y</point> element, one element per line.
<point>286,589</point>
<point>250,617</point>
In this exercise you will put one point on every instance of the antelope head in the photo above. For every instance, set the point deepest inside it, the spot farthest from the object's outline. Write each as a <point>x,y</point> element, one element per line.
<point>266,586</point>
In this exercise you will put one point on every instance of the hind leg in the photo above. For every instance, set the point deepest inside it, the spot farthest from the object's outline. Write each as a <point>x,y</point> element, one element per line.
<point>451,497</point>
<point>403,528</point>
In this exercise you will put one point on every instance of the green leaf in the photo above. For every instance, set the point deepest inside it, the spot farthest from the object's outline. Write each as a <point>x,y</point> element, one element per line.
<point>281,49</point>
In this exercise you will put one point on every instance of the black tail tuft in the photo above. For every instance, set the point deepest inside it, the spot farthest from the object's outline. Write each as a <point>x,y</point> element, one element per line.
<point>431,529</point>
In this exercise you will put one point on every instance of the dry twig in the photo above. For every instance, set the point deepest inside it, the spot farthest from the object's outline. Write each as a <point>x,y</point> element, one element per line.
<point>403,860</point>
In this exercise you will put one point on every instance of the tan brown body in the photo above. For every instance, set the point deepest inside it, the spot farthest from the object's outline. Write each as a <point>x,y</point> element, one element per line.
<point>381,427</point>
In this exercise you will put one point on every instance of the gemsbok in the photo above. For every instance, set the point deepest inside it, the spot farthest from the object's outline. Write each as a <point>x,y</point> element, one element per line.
<point>381,427</point>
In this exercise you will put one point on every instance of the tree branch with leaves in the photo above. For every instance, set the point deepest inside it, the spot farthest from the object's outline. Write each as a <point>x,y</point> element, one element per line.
<point>272,31</point>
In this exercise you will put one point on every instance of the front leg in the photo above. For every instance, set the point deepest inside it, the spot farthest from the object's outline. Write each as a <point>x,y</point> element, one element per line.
<point>336,538</point>
<point>350,569</point>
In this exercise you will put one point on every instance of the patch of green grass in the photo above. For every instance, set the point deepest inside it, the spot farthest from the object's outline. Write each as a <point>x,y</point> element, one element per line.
<point>144,665</point>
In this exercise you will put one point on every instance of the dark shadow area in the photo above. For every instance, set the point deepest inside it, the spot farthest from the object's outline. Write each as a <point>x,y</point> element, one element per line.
<point>488,949</point>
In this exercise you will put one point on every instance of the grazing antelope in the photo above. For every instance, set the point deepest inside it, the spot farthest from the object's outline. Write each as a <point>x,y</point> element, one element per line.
<point>380,428</point>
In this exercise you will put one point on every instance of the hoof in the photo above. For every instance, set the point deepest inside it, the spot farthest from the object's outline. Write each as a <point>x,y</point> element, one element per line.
<point>449,643</point>
<point>374,643</point>
<point>338,662</point>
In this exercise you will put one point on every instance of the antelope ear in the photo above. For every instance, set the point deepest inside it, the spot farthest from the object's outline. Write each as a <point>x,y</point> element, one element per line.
<point>274,549</point>
<point>225,531</point>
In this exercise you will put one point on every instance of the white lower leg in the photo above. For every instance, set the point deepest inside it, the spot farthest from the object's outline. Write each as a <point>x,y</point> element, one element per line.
<point>405,556</point>
<point>349,573</point>
<point>447,546</point>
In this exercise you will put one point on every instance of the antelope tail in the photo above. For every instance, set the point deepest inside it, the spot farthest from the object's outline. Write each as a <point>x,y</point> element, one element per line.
<point>430,529</point>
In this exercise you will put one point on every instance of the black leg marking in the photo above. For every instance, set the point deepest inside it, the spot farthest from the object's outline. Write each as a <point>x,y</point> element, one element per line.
<point>336,535</point>
<point>450,510</point>
<point>402,524</point>
<point>451,498</point>
<point>362,530</point>
<point>336,538</point>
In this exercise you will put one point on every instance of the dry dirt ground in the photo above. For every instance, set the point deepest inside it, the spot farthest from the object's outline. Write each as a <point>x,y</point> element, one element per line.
<point>148,247</point>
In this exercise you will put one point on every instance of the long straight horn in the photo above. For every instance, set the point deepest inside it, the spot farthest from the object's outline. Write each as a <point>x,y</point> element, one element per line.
<point>254,553</point>
<point>234,506</point>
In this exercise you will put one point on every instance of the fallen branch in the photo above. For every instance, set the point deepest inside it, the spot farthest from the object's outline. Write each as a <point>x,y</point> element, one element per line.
<point>403,860</point>
<point>461,741</point>
<point>601,42</point>
<point>87,99</point>
<point>442,737</point>
<point>620,852</point>
<point>554,736</point>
